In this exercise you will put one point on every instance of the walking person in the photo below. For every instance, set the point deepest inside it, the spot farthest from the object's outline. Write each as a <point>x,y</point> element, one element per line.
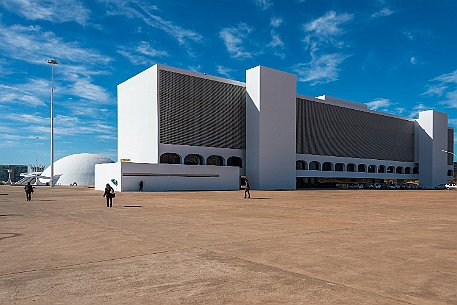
<point>141,185</point>
<point>109,194</point>
<point>247,187</point>
<point>28,191</point>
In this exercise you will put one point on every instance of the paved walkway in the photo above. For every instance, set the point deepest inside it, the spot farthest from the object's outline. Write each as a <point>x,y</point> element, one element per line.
<point>298,247</point>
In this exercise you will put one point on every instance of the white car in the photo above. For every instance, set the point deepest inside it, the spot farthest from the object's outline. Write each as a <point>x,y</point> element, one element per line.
<point>451,186</point>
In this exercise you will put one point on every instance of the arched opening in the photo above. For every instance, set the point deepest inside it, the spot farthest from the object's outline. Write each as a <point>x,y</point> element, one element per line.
<point>314,166</point>
<point>407,170</point>
<point>193,159</point>
<point>416,170</point>
<point>339,167</point>
<point>381,169</point>
<point>327,167</point>
<point>372,169</point>
<point>170,158</point>
<point>399,170</point>
<point>350,167</point>
<point>301,165</point>
<point>234,161</point>
<point>215,160</point>
<point>390,169</point>
<point>450,173</point>
<point>362,168</point>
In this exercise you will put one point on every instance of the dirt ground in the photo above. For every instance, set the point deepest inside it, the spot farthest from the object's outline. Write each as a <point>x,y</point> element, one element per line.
<point>289,247</point>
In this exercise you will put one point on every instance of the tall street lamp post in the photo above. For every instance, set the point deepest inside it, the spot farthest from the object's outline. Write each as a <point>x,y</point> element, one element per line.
<point>52,62</point>
<point>36,160</point>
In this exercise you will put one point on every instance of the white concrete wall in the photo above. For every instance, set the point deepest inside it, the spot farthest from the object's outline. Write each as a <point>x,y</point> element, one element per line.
<point>176,177</point>
<point>271,128</point>
<point>138,118</point>
<point>205,152</point>
<point>105,172</point>
<point>432,141</point>
<point>252,151</point>
<point>345,174</point>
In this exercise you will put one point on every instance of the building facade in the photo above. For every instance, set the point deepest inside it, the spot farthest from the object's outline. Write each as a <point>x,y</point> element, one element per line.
<point>192,127</point>
<point>17,170</point>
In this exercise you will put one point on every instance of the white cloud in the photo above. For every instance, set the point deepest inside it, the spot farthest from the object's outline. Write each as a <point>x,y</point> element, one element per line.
<point>325,30</point>
<point>276,22</point>
<point>85,89</point>
<point>142,54</point>
<point>451,99</point>
<point>413,60</point>
<point>82,109</point>
<point>452,123</point>
<point>385,105</point>
<point>195,68</point>
<point>28,118</point>
<point>107,137</point>
<point>447,78</point>
<point>33,45</point>
<point>276,41</point>
<point>418,108</point>
<point>384,12</point>
<point>417,33</point>
<point>379,104</point>
<point>54,11</point>
<point>64,125</point>
<point>76,66</point>
<point>264,4</point>
<point>321,69</point>
<point>224,71</point>
<point>435,90</point>
<point>13,137</point>
<point>234,40</point>
<point>142,10</point>
<point>399,110</point>
<point>445,86</point>
<point>12,94</point>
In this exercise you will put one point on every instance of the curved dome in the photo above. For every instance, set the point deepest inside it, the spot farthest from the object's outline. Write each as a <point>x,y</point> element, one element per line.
<point>79,168</point>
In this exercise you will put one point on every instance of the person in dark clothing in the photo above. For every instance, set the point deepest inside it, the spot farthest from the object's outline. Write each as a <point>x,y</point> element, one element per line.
<point>141,185</point>
<point>28,191</point>
<point>247,187</point>
<point>109,194</point>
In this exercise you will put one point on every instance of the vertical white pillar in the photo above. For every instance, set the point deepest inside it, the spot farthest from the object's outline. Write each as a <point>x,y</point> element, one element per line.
<point>270,129</point>
<point>138,117</point>
<point>433,130</point>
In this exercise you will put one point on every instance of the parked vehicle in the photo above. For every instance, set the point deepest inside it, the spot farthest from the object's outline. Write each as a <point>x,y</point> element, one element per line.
<point>451,186</point>
<point>355,186</point>
<point>410,186</point>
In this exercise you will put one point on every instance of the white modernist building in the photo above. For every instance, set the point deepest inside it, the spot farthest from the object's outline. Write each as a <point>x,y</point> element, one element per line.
<point>76,169</point>
<point>182,130</point>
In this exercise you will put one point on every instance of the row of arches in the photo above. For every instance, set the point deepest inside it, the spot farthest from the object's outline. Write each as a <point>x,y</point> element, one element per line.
<point>196,159</point>
<point>351,167</point>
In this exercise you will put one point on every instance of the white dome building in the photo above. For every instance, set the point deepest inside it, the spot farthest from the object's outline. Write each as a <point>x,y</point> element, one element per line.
<point>79,168</point>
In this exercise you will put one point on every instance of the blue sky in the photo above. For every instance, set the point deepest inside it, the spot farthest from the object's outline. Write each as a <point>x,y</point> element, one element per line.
<point>396,56</point>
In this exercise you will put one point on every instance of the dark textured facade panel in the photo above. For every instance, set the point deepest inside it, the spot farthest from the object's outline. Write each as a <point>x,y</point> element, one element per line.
<point>450,146</point>
<point>324,129</point>
<point>201,112</point>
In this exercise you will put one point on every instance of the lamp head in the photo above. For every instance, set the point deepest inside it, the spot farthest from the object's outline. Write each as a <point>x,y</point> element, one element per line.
<point>52,61</point>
